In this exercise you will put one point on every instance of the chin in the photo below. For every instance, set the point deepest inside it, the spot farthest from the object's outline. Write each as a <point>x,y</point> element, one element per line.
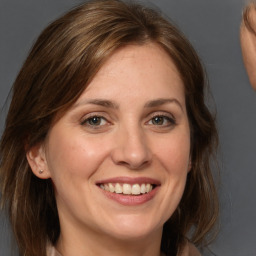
<point>130,229</point>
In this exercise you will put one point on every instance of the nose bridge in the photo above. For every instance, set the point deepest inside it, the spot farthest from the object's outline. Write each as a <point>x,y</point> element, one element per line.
<point>132,148</point>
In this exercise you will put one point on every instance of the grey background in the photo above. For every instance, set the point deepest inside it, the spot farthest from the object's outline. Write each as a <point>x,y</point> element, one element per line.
<point>213,29</point>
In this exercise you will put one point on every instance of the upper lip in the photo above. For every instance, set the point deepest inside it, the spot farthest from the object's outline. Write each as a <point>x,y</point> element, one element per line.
<point>130,180</point>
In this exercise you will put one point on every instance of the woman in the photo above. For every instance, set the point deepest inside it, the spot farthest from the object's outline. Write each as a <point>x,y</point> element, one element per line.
<point>108,140</point>
<point>248,42</point>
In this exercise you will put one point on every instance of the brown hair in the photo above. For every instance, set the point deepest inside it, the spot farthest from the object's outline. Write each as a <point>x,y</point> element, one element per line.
<point>247,21</point>
<point>64,59</point>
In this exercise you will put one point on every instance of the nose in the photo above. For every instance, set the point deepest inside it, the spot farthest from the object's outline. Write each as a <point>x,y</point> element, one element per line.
<point>131,149</point>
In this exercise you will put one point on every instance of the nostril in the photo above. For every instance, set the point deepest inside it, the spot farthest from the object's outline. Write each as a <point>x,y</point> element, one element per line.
<point>134,165</point>
<point>132,151</point>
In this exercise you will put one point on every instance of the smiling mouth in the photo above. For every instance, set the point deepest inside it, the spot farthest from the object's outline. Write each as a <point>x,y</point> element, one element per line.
<point>127,189</point>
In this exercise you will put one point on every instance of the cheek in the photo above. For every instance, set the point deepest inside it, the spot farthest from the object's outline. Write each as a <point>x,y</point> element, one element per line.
<point>174,154</point>
<point>73,156</point>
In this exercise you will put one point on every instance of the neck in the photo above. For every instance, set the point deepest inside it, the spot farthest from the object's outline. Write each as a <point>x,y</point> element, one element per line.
<point>91,243</point>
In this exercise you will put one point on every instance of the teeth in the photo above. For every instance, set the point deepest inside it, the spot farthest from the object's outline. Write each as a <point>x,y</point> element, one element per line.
<point>136,189</point>
<point>143,189</point>
<point>127,189</point>
<point>111,187</point>
<point>118,189</point>
<point>106,187</point>
<point>148,188</point>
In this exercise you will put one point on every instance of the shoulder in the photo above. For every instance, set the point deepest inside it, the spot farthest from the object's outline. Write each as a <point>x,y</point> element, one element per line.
<point>189,250</point>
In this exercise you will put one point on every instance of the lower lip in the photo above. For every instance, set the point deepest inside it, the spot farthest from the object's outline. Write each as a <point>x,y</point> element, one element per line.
<point>131,200</point>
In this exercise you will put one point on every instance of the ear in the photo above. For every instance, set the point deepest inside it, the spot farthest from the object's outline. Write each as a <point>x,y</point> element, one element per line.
<point>37,160</point>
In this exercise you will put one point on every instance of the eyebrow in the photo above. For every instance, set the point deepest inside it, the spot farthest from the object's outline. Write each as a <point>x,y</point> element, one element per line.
<point>162,101</point>
<point>113,105</point>
<point>99,102</point>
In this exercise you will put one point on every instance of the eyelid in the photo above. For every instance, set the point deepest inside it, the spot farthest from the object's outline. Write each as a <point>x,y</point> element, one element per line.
<point>162,113</point>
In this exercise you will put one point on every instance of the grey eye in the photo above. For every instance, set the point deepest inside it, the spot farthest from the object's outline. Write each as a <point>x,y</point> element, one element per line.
<point>94,121</point>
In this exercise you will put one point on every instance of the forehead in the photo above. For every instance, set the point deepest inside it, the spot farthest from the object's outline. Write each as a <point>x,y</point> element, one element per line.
<point>139,67</point>
<point>147,53</point>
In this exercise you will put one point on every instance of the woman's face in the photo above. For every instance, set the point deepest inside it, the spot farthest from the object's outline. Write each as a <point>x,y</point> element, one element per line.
<point>119,157</point>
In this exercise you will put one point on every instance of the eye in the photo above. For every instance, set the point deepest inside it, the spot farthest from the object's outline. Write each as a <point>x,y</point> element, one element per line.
<point>162,120</point>
<point>158,120</point>
<point>94,121</point>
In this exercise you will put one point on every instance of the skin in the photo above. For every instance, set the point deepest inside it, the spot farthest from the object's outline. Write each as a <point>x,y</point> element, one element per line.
<point>248,46</point>
<point>125,142</point>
